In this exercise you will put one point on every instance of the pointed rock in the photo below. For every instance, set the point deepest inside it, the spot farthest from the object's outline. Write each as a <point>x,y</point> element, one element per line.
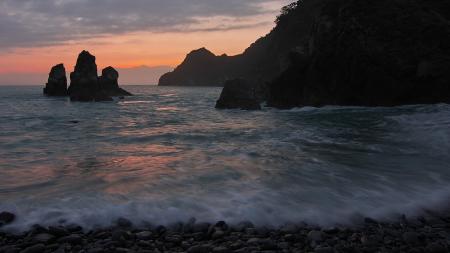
<point>84,83</point>
<point>57,82</point>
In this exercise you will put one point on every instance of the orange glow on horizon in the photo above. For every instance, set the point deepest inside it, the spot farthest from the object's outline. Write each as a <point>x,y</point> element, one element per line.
<point>130,50</point>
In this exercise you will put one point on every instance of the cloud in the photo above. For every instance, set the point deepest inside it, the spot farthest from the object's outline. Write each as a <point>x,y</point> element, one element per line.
<point>31,23</point>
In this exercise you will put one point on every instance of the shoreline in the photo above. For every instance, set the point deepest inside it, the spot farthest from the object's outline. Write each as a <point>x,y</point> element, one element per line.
<point>429,233</point>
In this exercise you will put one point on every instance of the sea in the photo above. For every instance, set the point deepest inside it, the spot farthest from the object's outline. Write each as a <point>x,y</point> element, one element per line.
<point>166,155</point>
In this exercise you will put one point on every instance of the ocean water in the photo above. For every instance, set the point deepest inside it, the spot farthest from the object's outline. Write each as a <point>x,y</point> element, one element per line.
<point>166,155</point>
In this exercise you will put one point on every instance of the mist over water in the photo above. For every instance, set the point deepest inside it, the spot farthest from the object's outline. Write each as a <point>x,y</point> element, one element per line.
<point>166,155</point>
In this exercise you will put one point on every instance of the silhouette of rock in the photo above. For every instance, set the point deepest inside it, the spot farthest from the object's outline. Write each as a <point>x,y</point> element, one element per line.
<point>109,79</point>
<point>264,60</point>
<point>240,94</point>
<point>109,83</point>
<point>87,86</point>
<point>57,82</point>
<point>200,68</point>
<point>366,53</point>
<point>84,85</point>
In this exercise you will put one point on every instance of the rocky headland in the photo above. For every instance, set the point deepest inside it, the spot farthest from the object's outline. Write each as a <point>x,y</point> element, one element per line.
<point>339,52</point>
<point>85,85</point>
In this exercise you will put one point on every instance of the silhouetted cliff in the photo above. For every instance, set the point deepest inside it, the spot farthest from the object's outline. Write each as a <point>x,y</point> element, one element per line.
<point>340,52</point>
<point>263,60</point>
<point>369,53</point>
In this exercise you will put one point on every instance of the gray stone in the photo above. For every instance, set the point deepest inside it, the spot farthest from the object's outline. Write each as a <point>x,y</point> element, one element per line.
<point>436,247</point>
<point>71,239</point>
<point>200,249</point>
<point>38,248</point>
<point>144,235</point>
<point>315,236</point>
<point>43,238</point>
<point>411,238</point>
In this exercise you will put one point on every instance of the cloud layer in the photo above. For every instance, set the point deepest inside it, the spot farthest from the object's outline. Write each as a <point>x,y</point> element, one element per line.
<point>30,23</point>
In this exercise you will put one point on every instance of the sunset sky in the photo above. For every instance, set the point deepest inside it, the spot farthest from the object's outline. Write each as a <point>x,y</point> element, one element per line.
<point>142,38</point>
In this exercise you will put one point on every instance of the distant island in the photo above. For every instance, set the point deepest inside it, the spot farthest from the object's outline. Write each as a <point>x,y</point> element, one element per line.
<point>85,84</point>
<point>335,52</point>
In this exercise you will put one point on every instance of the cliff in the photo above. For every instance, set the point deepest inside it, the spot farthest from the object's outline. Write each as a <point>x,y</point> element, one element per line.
<point>263,60</point>
<point>340,52</point>
<point>370,53</point>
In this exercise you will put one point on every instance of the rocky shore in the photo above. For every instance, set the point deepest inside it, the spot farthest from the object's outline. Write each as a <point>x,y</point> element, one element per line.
<point>429,233</point>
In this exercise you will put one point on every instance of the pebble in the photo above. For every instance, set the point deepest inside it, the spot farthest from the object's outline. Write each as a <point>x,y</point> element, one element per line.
<point>200,249</point>
<point>411,238</point>
<point>436,247</point>
<point>58,231</point>
<point>71,239</point>
<point>324,250</point>
<point>144,235</point>
<point>400,236</point>
<point>43,238</point>
<point>315,236</point>
<point>38,248</point>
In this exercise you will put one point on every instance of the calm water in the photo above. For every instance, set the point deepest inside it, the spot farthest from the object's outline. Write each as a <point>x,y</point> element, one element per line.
<point>166,155</point>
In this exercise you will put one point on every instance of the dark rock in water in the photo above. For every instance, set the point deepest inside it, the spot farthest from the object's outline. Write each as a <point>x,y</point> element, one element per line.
<point>240,94</point>
<point>6,218</point>
<point>57,82</point>
<point>109,79</point>
<point>84,85</point>
<point>367,53</point>
<point>109,83</point>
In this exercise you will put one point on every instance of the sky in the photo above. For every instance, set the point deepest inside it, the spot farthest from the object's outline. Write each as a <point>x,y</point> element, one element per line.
<point>141,38</point>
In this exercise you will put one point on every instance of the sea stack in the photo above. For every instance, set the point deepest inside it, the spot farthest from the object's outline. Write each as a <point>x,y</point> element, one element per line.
<point>57,82</point>
<point>109,83</point>
<point>84,84</point>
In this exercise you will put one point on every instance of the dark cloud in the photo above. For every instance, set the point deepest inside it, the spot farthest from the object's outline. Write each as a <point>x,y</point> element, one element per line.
<point>26,23</point>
